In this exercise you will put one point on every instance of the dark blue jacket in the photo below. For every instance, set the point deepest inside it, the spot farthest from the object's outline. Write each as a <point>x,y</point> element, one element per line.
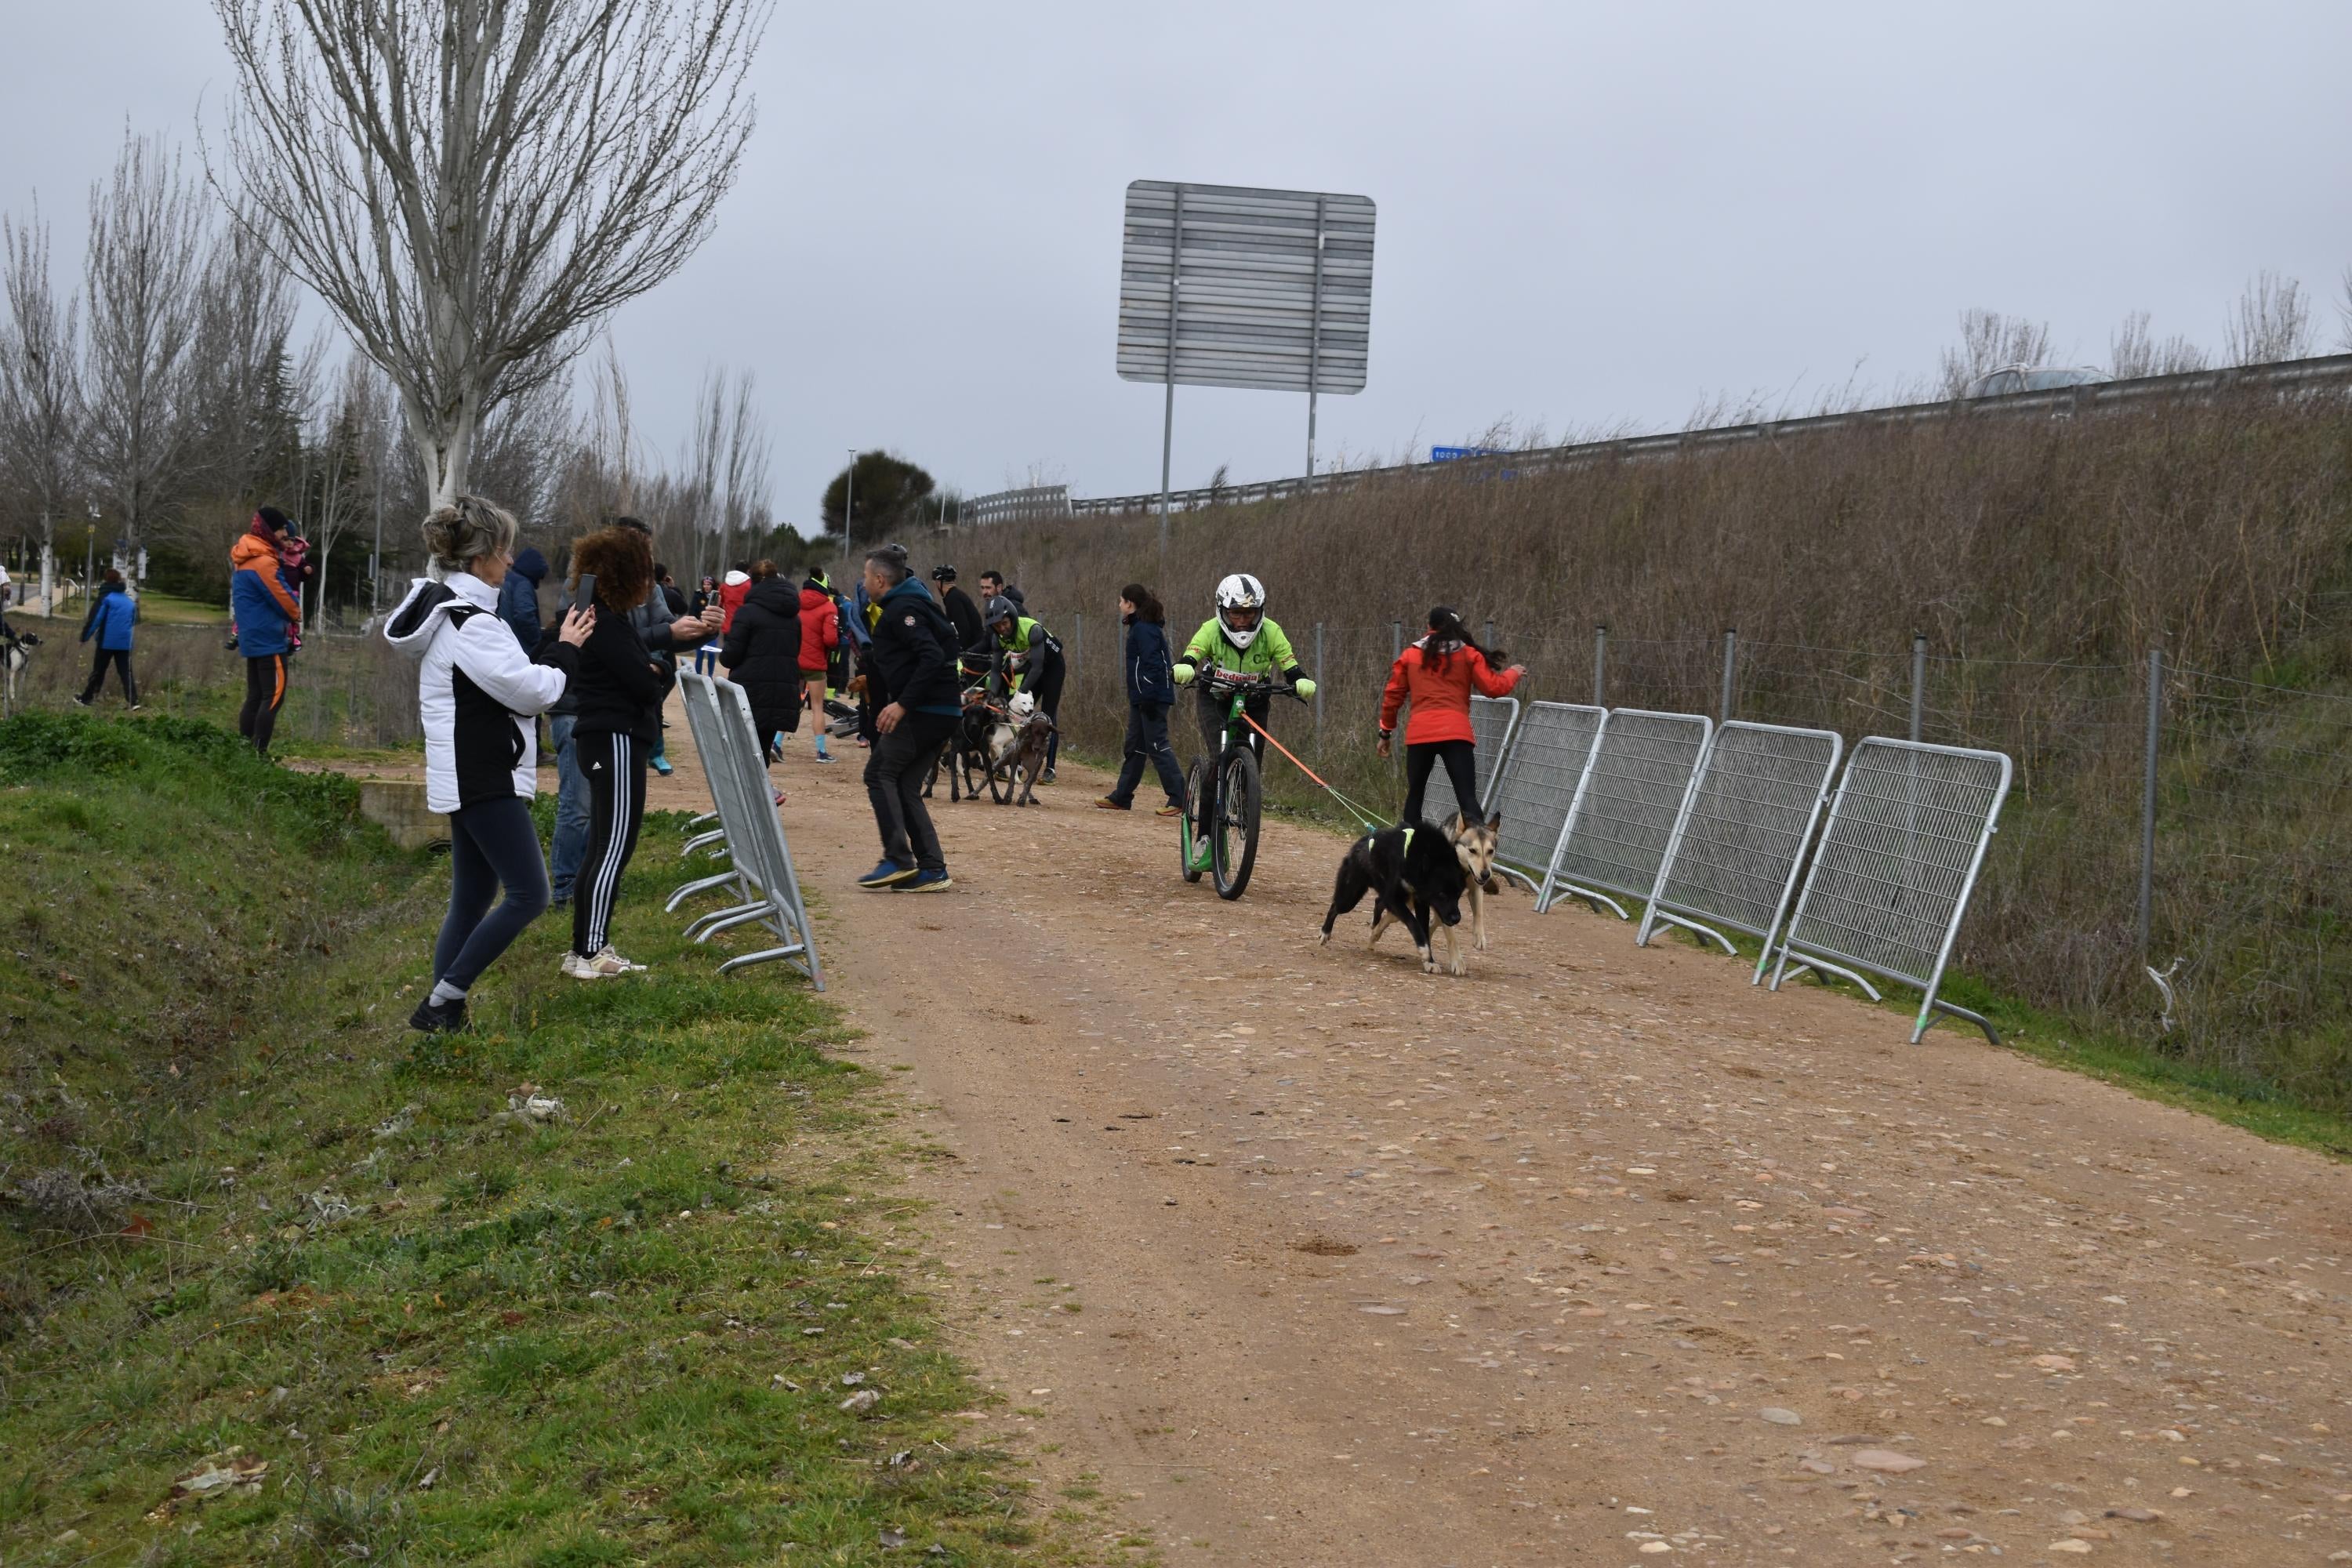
<point>110,619</point>
<point>1150,675</point>
<point>519,595</point>
<point>913,653</point>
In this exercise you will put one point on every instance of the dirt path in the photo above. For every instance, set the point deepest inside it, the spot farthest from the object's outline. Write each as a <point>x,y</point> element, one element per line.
<point>1597,1255</point>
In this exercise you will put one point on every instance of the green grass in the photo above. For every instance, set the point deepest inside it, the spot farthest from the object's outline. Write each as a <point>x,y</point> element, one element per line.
<point>246,1209</point>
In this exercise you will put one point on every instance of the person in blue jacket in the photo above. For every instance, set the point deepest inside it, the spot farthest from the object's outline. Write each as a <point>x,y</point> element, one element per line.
<point>266,612</point>
<point>1150,692</point>
<point>112,616</point>
<point>519,595</point>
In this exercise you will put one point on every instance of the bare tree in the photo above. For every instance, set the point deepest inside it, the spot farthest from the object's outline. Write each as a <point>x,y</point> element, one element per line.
<point>1989,342</point>
<point>2133,351</point>
<point>472,186</point>
<point>246,394</point>
<point>40,392</point>
<point>2271,321</point>
<point>699,488</point>
<point>147,232</point>
<point>345,493</point>
<point>748,454</point>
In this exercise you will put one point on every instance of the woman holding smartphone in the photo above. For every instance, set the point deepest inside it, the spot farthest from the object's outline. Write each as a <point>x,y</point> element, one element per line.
<point>620,690</point>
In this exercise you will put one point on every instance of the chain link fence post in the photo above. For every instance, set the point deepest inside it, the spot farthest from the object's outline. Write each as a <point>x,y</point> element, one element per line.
<point>1318,690</point>
<point>1396,652</point>
<point>1730,668</point>
<point>2147,799</point>
<point>1600,665</point>
<point>1918,684</point>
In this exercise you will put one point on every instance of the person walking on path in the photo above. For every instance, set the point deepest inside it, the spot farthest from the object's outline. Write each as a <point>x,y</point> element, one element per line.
<point>621,688</point>
<point>479,694</point>
<point>267,615</point>
<point>1151,693</point>
<point>518,597</point>
<point>911,680</point>
<point>112,616</point>
<point>1436,675</point>
<point>820,645</point>
<point>763,656</point>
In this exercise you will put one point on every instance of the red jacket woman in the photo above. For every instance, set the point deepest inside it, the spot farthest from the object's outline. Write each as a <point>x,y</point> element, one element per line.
<point>1437,675</point>
<point>820,629</point>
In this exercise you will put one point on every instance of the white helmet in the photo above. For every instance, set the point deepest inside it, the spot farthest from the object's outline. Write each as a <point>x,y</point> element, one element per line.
<point>1241,592</point>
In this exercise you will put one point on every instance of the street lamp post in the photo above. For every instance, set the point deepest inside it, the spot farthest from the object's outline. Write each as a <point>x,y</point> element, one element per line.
<point>848,499</point>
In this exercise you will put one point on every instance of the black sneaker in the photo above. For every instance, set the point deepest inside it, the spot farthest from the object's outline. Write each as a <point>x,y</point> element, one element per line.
<point>81,701</point>
<point>439,1017</point>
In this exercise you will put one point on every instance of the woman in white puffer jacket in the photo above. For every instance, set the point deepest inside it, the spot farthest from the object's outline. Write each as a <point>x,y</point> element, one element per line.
<point>479,694</point>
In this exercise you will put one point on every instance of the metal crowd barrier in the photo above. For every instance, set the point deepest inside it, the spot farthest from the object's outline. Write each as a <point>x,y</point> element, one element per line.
<point>1890,880</point>
<point>1732,860</point>
<point>1614,838</point>
<point>1493,721</point>
<point>1536,784</point>
<point>734,761</point>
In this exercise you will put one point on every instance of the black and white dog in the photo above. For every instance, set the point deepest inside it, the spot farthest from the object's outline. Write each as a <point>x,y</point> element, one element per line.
<point>1415,879</point>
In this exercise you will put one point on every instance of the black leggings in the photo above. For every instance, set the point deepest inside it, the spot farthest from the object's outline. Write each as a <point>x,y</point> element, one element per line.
<point>1045,685</point>
<point>264,693</point>
<point>615,766</point>
<point>1460,759</point>
<point>120,659</point>
<point>491,845</point>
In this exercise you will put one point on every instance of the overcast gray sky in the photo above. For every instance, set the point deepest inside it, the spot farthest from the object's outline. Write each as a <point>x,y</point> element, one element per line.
<point>1589,213</point>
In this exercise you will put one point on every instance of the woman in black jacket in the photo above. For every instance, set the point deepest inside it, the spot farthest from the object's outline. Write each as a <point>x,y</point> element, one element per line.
<point>1150,692</point>
<point>763,655</point>
<point>621,688</point>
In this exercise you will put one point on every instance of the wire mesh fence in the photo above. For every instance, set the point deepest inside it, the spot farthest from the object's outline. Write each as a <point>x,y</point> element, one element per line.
<point>2250,882</point>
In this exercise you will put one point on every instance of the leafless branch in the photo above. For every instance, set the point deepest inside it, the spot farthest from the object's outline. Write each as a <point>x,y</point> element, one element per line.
<point>471,185</point>
<point>148,229</point>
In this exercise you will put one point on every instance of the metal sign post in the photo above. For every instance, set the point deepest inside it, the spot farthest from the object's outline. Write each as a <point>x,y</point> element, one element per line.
<point>1233,286</point>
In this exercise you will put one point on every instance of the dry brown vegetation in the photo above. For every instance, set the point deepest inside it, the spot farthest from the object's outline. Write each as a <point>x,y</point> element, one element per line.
<point>2042,559</point>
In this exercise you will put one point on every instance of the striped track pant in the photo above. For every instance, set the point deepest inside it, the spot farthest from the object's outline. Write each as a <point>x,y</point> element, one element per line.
<point>615,766</point>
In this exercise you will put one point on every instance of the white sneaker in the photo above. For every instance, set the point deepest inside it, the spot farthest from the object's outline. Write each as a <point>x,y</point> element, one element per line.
<point>609,956</point>
<point>605,965</point>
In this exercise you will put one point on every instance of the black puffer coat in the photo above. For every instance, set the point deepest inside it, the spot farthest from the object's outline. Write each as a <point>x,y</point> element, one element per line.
<point>762,654</point>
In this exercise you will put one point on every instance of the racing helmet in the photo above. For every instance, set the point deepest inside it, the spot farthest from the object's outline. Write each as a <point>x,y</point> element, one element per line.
<point>1001,608</point>
<point>1241,592</point>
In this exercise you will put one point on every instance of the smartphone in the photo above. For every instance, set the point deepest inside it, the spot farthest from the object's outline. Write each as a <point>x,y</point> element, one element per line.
<point>585,597</point>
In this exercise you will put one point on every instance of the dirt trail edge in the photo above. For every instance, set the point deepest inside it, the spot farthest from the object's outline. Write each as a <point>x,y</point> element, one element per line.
<point>1597,1256</point>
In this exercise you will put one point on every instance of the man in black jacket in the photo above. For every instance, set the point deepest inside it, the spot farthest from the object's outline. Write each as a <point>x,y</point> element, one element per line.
<point>910,672</point>
<point>971,635</point>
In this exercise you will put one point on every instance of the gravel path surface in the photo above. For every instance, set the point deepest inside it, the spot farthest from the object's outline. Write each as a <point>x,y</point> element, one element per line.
<point>1597,1256</point>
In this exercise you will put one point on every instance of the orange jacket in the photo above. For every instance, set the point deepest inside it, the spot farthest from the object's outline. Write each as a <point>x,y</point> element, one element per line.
<point>1439,688</point>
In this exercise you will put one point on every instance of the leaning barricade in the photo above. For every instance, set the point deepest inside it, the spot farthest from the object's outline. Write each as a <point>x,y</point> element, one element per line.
<point>759,863</point>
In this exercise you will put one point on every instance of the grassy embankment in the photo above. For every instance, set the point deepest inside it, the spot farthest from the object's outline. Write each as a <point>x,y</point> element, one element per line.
<point>248,1218</point>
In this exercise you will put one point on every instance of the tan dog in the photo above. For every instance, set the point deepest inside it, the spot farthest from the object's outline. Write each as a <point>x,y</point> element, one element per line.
<point>1476,844</point>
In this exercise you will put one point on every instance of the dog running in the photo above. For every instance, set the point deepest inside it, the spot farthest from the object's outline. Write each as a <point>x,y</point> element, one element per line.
<point>1415,876</point>
<point>1475,845</point>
